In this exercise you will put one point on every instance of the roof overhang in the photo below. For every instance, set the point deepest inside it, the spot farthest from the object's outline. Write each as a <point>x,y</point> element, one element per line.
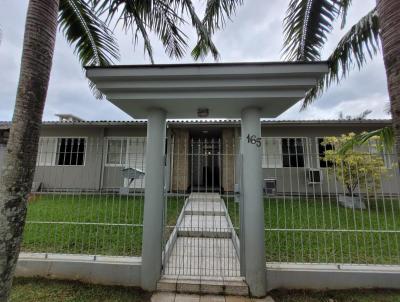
<point>224,89</point>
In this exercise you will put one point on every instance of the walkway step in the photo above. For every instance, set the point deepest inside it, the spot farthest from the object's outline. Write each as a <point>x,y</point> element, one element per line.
<point>204,242</point>
<point>204,285</point>
<point>205,208</point>
<point>205,257</point>
<point>205,212</point>
<point>205,226</point>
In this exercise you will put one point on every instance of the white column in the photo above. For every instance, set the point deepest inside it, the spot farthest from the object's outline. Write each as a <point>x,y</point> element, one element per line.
<point>253,205</point>
<point>153,200</point>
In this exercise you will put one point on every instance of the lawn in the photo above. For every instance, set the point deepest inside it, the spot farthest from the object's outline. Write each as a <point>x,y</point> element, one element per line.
<point>89,224</point>
<point>41,290</point>
<point>337,296</point>
<point>297,229</point>
<point>321,231</point>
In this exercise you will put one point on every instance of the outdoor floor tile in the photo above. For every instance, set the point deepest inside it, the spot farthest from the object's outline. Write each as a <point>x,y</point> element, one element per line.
<point>209,298</point>
<point>187,298</point>
<point>237,299</point>
<point>163,297</point>
<point>266,299</point>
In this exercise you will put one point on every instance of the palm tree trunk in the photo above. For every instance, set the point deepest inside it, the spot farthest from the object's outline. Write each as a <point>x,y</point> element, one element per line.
<point>389,16</point>
<point>20,158</point>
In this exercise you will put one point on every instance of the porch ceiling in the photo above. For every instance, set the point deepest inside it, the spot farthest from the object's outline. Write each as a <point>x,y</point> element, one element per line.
<point>223,88</point>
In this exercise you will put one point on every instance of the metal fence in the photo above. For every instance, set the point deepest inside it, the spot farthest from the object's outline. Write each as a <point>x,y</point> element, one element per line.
<point>322,207</point>
<point>87,198</point>
<point>203,241</point>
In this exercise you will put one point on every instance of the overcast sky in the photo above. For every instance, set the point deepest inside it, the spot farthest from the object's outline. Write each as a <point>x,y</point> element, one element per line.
<point>254,35</point>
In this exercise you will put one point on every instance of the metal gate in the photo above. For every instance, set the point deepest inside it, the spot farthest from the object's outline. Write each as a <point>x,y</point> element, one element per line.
<point>202,215</point>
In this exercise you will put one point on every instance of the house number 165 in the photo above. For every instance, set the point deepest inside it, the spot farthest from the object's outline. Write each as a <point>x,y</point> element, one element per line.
<point>252,139</point>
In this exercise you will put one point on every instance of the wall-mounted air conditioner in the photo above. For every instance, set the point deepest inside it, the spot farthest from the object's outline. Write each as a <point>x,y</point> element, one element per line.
<point>270,186</point>
<point>314,176</point>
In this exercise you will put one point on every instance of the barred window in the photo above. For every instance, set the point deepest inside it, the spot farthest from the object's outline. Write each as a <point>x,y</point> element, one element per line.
<point>292,152</point>
<point>71,151</point>
<point>322,148</point>
<point>116,151</point>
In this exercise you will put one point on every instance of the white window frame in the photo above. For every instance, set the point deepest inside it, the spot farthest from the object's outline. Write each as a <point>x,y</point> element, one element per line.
<point>317,151</point>
<point>127,138</point>
<point>53,163</point>
<point>107,139</point>
<point>306,152</point>
<point>56,151</point>
<point>385,155</point>
<point>264,165</point>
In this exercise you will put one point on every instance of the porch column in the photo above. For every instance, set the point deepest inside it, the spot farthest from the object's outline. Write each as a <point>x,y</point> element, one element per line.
<point>153,200</point>
<point>253,205</point>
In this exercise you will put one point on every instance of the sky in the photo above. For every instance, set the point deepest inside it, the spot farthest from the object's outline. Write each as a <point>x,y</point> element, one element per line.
<point>254,34</point>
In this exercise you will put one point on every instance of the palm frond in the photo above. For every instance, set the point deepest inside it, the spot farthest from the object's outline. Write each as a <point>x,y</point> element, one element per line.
<point>166,24</point>
<point>386,139</point>
<point>217,11</point>
<point>204,42</point>
<point>93,41</point>
<point>358,45</point>
<point>344,5</point>
<point>306,26</point>
<point>159,16</point>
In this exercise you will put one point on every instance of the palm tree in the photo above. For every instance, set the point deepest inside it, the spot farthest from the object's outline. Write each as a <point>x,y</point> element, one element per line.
<point>80,22</point>
<point>307,25</point>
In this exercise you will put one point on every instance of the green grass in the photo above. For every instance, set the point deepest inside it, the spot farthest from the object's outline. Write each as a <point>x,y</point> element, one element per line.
<point>88,224</point>
<point>41,290</point>
<point>337,296</point>
<point>297,230</point>
<point>343,236</point>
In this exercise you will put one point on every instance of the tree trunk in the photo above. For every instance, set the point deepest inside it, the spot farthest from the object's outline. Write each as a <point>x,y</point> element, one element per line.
<point>389,16</point>
<point>20,157</point>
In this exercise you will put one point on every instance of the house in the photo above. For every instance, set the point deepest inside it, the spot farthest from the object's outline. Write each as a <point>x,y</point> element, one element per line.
<point>201,154</point>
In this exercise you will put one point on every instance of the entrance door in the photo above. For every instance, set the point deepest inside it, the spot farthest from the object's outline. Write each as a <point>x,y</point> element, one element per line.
<point>202,225</point>
<point>205,162</point>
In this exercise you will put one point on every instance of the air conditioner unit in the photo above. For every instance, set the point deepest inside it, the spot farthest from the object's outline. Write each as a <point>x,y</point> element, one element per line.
<point>270,186</point>
<point>314,176</point>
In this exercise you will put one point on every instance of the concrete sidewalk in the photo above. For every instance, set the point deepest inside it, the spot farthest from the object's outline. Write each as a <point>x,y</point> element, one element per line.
<point>204,245</point>
<point>172,297</point>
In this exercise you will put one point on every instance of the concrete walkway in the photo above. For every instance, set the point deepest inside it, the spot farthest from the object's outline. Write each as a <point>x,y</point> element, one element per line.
<point>206,243</point>
<point>172,297</point>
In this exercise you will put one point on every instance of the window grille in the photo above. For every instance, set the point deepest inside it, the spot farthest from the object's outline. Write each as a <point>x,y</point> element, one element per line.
<point>71,152</point>
<point>116,151</point>
<point>292,152</point>
<point>321,151</point>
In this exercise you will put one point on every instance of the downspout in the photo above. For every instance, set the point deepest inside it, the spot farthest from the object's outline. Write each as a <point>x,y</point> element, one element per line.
<point>102,159</point>
<point>171,172</point>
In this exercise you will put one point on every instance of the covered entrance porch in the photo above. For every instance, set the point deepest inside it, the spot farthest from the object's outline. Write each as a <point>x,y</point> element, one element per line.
<point>249,91</point>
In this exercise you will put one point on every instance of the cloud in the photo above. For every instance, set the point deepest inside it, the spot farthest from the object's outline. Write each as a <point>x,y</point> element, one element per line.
<point>254,35</point>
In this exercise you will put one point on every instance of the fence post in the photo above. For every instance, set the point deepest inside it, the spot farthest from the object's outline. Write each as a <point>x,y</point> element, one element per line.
<point>253,205</point>
<point>153,200</point>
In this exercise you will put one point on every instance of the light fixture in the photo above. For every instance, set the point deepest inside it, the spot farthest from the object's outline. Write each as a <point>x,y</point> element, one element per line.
<point>202,112</point>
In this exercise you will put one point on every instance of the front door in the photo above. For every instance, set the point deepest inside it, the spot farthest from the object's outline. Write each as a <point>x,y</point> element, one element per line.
<point>205,162</point>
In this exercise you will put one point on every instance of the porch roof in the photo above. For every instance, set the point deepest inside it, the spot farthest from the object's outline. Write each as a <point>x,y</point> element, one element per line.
<point>221,90</point>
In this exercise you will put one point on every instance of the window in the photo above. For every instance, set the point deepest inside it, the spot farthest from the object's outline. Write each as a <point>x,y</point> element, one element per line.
<point>71,151</point>
<point>321,152</point>
<point>116,151</point>
<point>292,152</point>
<point>272,152</point>
<point>47,151</point>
